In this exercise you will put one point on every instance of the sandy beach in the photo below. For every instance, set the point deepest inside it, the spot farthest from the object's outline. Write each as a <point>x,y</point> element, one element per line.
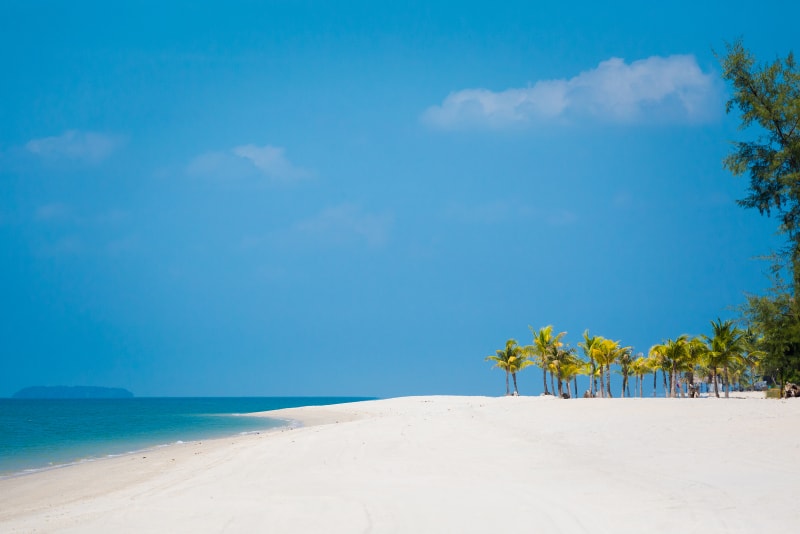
<point>448,464</point>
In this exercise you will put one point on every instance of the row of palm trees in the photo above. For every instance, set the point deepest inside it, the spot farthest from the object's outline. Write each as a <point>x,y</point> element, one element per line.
<point>729,355</point>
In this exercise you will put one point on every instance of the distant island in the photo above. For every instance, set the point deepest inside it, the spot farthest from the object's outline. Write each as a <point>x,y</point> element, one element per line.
<point>71,392</point>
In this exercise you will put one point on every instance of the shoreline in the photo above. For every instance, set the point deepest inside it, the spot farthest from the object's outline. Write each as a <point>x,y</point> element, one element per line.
<point>144,449</point>
<point>46,434</point>
<point>445,463</point>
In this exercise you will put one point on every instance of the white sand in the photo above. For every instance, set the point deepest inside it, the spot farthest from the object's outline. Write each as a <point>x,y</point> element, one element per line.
<point>448,464</point>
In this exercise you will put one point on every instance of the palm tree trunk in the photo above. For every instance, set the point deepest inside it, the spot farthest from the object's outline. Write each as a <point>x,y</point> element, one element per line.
<point>727,381</point>
<point>552,383</point>
<point>575,383</point>
<point>514,376</point>
<point>507,390</point>
<point>672,380</point>
<point>655,385</point>
<point>544,378</point>
<point>602,382</point>
<point>608,379</point>
<point>593,379</point>
<point>714,378</point>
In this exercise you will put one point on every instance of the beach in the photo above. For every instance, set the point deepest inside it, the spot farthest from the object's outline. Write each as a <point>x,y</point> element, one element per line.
<point>447,464</point>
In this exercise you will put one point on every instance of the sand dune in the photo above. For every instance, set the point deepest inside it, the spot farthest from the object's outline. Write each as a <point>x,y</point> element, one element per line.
<point>448,464</point>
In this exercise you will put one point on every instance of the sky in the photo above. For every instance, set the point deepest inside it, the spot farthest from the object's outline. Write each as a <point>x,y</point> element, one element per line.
<point>363,198</point>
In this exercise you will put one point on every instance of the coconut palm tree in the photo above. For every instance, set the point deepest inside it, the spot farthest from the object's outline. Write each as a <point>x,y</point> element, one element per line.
<point>638,368</point>
<point>570,371</point>
<point>672,355</point>
<point>545,344</point>
<point>607,353</point>
<point>726,347</point>
<point>660,363</point>
<point>624,359</point>
<point>564,366</point>
<point>695,357</point>
<point>585,368</point>
<point>511,359</point>
<point>653,365</point>
<point>591,347</point>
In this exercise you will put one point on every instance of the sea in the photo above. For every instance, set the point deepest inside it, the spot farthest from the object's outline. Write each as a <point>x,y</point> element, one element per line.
<point>39,434</point>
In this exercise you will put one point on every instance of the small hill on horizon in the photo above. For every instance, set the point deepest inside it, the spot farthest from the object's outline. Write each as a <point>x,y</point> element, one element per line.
<point>71,392</point>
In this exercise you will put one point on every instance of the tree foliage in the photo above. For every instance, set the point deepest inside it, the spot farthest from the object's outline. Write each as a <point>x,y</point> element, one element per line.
<point>545,346</point>
<point>512,359</point>
<point>726,349</point>
<point>768,96</point>
<point>776,318</point>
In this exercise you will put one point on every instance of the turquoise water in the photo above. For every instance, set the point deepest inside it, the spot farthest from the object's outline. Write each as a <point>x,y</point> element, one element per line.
<point>41,433</point>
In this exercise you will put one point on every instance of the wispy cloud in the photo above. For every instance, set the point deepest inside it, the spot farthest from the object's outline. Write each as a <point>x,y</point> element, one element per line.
<point>657,89</point>
<point>64,246</point>
<point>248,160</point>
<point>346,222</point>
<point>88,147</point>
<point>502,212</point>
<point>341,225</point>
<point>498,211</point>
<point>124,245</point>
<point>53,211</point>
<point>59,212</point>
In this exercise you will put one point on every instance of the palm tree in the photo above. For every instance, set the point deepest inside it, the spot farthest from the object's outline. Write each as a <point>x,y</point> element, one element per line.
<point>625,358</point>
<point>640,367</point>
<point>657,354</point>
<point>571,369</point>
<point>653,365</point>
<point>585,368</point>
<point>563,364</point>
<point>511,359</point>
<point>591,346</point>
<point>695,357</point>
<point>545,345</point>
<point>607,353</point>
<point>726,347</point>
<point>672,355</point>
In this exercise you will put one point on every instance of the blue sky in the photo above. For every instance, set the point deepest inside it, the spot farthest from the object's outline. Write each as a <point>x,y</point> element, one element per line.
<point>315,198</point>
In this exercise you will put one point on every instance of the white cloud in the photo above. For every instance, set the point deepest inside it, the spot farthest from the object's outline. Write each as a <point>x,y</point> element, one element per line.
<point>89,147</point>
<point>656,89</point>
<point>270,161</point>
<point>562,218</point>
<point>65,246</point>
<point>492,212</point>
<point>503,212</point>
<point>249,160</point>
<point>53,211</point>
<point>346,222</point>
<point>60,212</point>
<point>124,245</point>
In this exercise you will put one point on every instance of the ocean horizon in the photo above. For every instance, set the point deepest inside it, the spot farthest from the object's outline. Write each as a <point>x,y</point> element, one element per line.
<point>39,434</point>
